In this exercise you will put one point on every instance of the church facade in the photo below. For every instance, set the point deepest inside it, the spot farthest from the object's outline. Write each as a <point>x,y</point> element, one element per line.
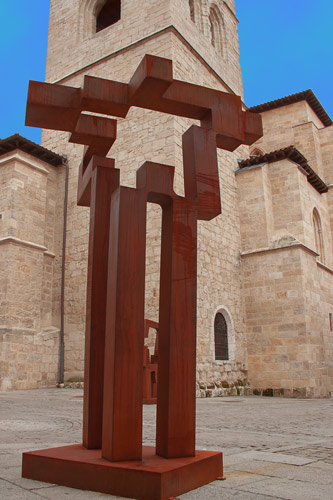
<point>265,265</point>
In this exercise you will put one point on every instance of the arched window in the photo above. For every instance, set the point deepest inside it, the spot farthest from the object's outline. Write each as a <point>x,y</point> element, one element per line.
<point>221,337</point>
<point>192,13</point>
<point>318,234</point>
<point>216,28</point>
<point>108,14</point>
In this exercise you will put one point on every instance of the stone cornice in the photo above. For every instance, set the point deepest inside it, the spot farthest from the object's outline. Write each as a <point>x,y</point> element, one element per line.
<point>166,29</point>
<point>306,95</point>
<point>282,247</point>
<point>298,244</point>
<point>16,141</point>
<point>16,155</point>
<point>289,153</point>
<point>17,241</point>
<point>324,267</point>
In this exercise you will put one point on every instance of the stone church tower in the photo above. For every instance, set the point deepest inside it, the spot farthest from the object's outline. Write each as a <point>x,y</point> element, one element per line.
<point>108,40</point>
<point>265,265</point>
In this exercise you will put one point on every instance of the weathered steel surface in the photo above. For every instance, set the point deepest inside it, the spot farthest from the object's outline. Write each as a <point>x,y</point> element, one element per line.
<point>154,478</point>
<point>104,181</point>
<point>123,373</point>
<point>116,266</point>
<point>152,87</point>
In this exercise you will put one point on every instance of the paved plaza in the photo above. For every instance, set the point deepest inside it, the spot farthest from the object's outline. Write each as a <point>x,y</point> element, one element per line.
<point>273,448</point>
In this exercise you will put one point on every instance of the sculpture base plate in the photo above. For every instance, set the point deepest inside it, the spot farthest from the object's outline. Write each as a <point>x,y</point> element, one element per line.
<point>152,478</point>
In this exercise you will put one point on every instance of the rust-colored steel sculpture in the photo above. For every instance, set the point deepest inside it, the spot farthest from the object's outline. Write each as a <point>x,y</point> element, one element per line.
<point>111,458</point>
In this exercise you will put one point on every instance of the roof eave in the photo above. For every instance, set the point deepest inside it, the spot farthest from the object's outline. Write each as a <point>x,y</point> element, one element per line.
<point>16,141</point>
<point>306,95</point>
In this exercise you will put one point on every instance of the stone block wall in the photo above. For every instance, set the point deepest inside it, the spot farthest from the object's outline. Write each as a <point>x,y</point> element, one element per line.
<point>318,292</point>
<point>28,359</point>
<point>287,286</point>
<point>29,329</point>
<point>257,261</point>
<point>279,354</point>
<point>72,35</point>
<point>297,124</point>
<point>164,29</point>
<point>276,203</point>
<point>326,146</point>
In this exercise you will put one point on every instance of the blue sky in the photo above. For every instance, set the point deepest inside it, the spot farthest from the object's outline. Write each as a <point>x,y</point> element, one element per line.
<point>286,46</point>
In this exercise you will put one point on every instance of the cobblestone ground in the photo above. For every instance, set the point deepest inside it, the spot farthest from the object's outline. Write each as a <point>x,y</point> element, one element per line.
<point>273,448</point>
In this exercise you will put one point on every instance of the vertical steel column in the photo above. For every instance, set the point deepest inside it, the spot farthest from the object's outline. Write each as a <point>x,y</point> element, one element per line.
<point>123,366</point>
<point>104,180</point>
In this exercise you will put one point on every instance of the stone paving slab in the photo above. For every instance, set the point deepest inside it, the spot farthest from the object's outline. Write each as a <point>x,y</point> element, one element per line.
<point>212,492</point>
<point>235,478</point>
<point>13,475</point>
<point>312,475</point>
<point>266,456</point>
<point>273,448</point>
<point>63,493</point>
<point>288,489</point>
<point>315,451</point>
<point>327,466</point>
<point>309,473</point>
<point>10,491</point>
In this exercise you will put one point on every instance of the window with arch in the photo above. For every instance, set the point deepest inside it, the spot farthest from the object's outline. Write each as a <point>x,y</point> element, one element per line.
<point>318,234</point>
<point>221,337</point>
<point>216,28</point>
<point>192,11</point>
<point>107,14</point>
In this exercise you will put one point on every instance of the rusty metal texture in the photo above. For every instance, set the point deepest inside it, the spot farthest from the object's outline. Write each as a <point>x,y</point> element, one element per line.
<point>115,325</point>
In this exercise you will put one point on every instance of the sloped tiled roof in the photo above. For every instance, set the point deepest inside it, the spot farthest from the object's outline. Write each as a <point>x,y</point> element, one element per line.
<point>16,141</point>
<point>290,153</point>
<point>306,95</point>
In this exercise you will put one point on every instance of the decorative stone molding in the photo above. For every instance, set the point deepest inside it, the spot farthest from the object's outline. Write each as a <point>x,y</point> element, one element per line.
<point>289,246</point>
<point>17,155</point>
<point>18,241</point>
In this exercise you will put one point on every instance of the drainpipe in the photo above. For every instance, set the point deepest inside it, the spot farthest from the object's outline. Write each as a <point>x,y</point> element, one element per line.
<point>62,292</point>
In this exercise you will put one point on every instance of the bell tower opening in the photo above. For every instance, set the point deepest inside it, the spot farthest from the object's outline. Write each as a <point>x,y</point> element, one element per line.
<point>109,14</point>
